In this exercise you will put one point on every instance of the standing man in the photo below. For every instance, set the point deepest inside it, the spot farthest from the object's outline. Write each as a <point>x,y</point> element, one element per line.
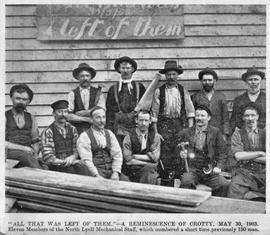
<point>141,151</point>
<point>59,143</point>
<point>122,99</point>
<point>253,79</point>
<point>83,98</point>
<point>214,100</point>
<point>99,148</point>
<point>172,111</point>
<point>22,137</point>
<point>207,153</point>
<point>248,147</point>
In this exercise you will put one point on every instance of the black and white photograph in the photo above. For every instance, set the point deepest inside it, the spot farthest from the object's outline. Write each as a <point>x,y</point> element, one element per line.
<point>134,117</point>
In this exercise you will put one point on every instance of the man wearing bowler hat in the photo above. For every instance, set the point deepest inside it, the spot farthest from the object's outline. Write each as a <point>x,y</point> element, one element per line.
<point>122,99</point>
<point>22,137</point>
<point>59,140</point>
<point>84,97</point>
<point>172,111</point>
<point>205,153</point>
<point>214,100</point>
<point>253,78</point>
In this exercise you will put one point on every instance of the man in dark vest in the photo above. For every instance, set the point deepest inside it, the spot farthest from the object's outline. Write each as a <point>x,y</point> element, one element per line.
<point>205,153</point>
<point>248,147</point>
<point>83,98</point>
<point>122,99</point>
<point>215,100</point>
<point>59,140</point>
<point>99,148</point>
<point>172,111</point>
<point>253,79</point>
<point>141,151</point>
<point>22,137</point>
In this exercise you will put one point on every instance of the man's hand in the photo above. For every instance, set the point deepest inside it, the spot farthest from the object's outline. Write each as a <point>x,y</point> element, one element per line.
<point>115,176</point>
<point>69,160</point>
<point>216,170</point>
<point>57,162</point>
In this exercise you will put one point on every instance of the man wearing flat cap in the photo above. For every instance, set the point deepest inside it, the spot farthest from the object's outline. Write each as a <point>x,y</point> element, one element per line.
<point>99,148</point>
<point>172,111</point>
<point>58,141</point>
<point>214,100</point>
<point>122,99</point>
<point>252,78</point>
<point>205,152</point>
<point>22,137</point>
<point>83,98</point>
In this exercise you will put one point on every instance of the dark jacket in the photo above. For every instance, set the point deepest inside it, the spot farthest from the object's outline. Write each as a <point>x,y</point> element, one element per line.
<point>218,107</point>
<point>216,145</point>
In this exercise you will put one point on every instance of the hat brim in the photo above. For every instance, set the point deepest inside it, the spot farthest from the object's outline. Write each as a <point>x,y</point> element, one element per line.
<point>178,70</point>
<point>256,72</point>
<point>21,86</point>
<point>76,71</point>
<point>129,60</point>
<point>203,72</point>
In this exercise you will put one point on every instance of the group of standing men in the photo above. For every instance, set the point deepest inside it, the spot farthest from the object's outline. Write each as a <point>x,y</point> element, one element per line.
<point>186,136</point>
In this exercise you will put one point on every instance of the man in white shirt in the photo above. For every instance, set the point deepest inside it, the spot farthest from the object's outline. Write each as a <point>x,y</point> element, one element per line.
<point>83,98</point>
<point>99,148</point>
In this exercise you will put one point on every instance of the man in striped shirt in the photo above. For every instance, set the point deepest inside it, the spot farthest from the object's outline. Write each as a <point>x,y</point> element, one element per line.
<point>59,143</point>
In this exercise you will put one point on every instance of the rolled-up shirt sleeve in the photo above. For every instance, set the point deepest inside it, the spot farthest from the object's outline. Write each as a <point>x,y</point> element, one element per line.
<point>116,153</point>
<point>190,111</point>
<point>71,102</point>
<point>47,146</point>
<point>101,100</point>
<point>155,105</point>
<point>237,144</point>
<point>85,152</point>
<point>154,152</point>
<point>127,151</point>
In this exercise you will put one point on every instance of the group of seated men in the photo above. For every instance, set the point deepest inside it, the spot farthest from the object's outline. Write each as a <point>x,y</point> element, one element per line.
<point>187,137</point>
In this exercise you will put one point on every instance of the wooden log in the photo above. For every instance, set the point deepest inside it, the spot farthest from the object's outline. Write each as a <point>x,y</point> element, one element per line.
<point>88,203</point>
<point>161,207</point>
<point>9,203</point>
<point>108,187</point>
<point>11,163</point>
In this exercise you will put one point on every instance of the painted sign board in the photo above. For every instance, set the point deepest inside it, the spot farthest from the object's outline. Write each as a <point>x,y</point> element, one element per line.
<point>113,22</point>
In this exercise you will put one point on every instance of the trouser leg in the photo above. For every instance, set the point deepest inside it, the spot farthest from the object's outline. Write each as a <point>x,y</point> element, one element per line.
<point>189,180</point>
<point>148,174</point>
<point>218,184</point>
<point>25,159</point>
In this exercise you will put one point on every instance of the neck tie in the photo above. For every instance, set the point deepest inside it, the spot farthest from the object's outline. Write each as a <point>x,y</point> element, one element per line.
<point>143,139</point>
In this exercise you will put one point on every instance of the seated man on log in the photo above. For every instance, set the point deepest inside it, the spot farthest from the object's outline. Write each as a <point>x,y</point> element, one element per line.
<point>58,141</point>
<point>141,151</point>
<point>22,137</point>
<point>204,151</point>
<point>99,148</point>
<point>248,147</point>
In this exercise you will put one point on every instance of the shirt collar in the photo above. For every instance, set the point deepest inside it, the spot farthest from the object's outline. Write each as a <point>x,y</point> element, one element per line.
<point>201,129</point>
<point>16,113</point>
<point>139,133</point>
<point>128,82</point>
<point>169,87</point>
<point>98,131</point>
<point>255,130</point>
<point>85,88</point>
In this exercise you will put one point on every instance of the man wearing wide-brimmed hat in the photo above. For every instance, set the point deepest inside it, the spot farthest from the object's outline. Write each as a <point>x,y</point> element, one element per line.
<point>214,100</point>
<point>122,98</point>
<point>172,111</point>
<point>252,78</point>
<point>22,137</point>
<point>84,97</point>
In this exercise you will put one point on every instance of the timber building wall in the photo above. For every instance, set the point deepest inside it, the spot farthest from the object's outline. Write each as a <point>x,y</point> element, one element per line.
<point>226,38</point>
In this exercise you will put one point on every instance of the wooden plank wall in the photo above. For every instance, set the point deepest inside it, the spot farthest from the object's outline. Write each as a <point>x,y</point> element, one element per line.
<point>227,38</point>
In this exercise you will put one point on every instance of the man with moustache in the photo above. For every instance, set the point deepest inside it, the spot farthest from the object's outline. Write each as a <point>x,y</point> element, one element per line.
<point>83,98</point>
<point>99,148</point>
<point>205,154</point>
<point>214,100</point>
<point>22,137</point>
<point>122,99</point>
<point>248,147</point>
<point>58,142</point>
<point>253,78</point>
<point>141,151</point>
<point>172,111</point>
